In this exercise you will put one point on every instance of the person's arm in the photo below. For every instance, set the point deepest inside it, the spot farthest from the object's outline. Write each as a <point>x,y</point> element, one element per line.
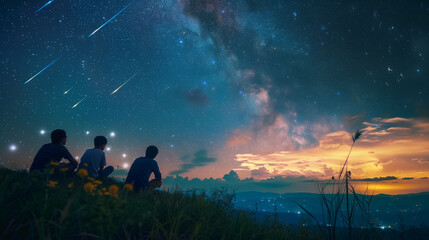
<point>69,157</point>
<point>156,171</point>
<point>102,163</point>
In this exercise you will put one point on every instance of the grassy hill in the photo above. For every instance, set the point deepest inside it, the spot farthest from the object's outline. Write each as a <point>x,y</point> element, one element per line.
<point>56,206</point>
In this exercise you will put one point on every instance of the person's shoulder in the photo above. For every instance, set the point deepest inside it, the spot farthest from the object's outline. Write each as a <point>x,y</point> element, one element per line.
<point>54,146</point>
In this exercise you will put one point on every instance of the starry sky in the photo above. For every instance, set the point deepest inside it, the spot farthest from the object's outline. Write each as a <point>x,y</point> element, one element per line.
<point>264,88</point>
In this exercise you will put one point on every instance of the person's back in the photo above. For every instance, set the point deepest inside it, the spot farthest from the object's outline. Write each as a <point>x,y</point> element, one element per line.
<point>94,159</point>
<point>142,168</point>
<point>53,152</point>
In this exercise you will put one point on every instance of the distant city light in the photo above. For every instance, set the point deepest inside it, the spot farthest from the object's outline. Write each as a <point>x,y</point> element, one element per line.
<point>125,165</point>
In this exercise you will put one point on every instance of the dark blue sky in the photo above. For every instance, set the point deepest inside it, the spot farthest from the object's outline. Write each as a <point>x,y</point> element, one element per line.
<point>207,72</point>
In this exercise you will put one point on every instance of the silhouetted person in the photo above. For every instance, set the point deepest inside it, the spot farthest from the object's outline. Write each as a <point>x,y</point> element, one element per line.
<point>54,152</point>
<point>94,159</point>
<point>141,170</point>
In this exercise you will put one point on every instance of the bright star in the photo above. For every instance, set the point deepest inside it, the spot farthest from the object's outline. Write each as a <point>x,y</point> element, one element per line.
<point>13,148</point>
<point>87,132</point>
<point>180,41</point>
<point>204,83</point>
<point>42,132</point>
<point>112,134</point>
<point>124,155</point>
<point>108,149</point>
<point>213,62</point>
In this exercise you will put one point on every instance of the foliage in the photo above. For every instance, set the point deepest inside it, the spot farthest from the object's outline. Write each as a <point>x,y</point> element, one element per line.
<point>58,206</point>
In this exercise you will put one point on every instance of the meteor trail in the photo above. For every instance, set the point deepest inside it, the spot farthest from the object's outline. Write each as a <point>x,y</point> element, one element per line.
<point>123,84</point>
<point>46,4</point>
<point>96,30</point>
<point>69,90</point>
<point>78,102</point>
<point>41,71</point>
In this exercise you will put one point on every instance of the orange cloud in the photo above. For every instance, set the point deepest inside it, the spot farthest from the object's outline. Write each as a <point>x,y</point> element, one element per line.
<point>389,147</point>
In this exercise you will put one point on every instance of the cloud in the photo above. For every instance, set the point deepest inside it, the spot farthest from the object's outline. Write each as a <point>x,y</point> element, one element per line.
<point>260,172</point>
<point>231,177</point>
<point>197,97</point>
<point>407,178</point>
<point>199,159</point>
<point>287,184</point>
<point>376,179</point>
<point>388,146</point>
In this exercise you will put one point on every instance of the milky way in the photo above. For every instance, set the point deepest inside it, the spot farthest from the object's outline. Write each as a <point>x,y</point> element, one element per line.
<point>218,77</point>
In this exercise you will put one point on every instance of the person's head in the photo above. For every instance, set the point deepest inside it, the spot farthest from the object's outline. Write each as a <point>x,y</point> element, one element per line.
<point>59,137</point>
<point>100,142</point>
<point>151,151</point>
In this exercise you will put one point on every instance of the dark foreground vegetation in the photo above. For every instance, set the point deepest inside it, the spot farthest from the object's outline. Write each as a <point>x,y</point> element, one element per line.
<point>56,206</point>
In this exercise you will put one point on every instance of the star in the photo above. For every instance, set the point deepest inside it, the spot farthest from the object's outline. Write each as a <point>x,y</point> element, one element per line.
<point>42,132</point>
<point>13,148</point>
<point>112,134</point>
<point>124,155</point>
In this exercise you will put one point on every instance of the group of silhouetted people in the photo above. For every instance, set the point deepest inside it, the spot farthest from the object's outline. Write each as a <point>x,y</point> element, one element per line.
<point>94,161</point>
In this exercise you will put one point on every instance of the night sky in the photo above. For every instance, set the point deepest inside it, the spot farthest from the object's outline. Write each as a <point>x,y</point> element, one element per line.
<point>220,85</point>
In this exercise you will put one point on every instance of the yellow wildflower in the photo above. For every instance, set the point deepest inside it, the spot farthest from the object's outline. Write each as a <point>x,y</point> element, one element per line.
<point>91,178</point>
<point>106,193</point>
<point>54,163</point>
<point>52,184</point>
<point>70,185</point>
<point>85,164</point>
<point>113,190</point>
<point>82,172</point>
<point>89,187</point>
<point>98,182</point>
<point>103,189</point>
<point>128,186</point>
<point>64,169</point>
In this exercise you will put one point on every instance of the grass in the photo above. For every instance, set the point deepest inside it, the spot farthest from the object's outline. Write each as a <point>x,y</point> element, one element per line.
<point>57,206</point>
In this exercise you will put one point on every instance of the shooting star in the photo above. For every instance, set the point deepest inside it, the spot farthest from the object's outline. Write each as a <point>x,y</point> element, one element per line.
<point>79,102</point>
<point>104,24</point>
<point>46,4</point>
<point>123,84</point>
<point>69,89</point>
<point>41,71</point>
